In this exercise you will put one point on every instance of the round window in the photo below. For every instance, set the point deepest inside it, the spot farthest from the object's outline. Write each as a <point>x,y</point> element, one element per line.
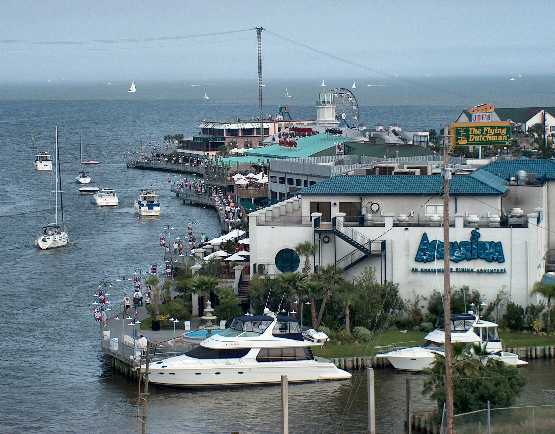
<point>287,260</point>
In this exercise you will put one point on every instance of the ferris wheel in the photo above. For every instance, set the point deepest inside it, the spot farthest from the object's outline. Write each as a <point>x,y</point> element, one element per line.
<point>346,107</point>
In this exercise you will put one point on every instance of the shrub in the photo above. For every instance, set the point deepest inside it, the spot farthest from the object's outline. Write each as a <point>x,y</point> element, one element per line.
<point>426,326</point>
<point>514,317</point>
<point>325,330</point>
<point>435,307</point>
<point>532,314</point>
<point>343,337</point>
<point>228,304</point>
<point>362,334</point>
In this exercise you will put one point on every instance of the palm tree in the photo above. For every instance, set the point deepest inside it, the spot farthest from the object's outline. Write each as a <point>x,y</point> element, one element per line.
<point>306,249</point>
<point>348,293</point>
<point>204,285</point>
<point>548,292</point>
<point>330,278</point>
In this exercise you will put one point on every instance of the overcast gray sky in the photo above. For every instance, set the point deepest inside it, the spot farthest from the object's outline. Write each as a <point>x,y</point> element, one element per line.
<point>82,40</point>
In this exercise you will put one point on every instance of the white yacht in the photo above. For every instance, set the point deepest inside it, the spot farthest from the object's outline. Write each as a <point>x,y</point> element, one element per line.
<point>255,349</point>
<point>148,203</point>
<point>88,189</point>
<point>132,87</point>
<point>106,197</point>
<point>54,234</point>
<point>83,178</point>
<point>465,328</point>
<point>43,162</point>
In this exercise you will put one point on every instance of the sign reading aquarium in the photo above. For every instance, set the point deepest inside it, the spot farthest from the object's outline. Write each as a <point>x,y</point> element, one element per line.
<point>473,249</point>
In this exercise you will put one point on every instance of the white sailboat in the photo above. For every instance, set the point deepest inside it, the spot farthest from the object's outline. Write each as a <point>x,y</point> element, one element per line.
<point>287,94</point>
<point>54,235</point>
<point>132,88</point>
<point>323,83</point>
<point>206,97</point>
<point>354,86</point>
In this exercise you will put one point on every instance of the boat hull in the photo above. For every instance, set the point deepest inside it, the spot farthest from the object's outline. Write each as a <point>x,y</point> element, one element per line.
<point>85,180</point>
<point>46,242</point>
<point>43,166</point>
<point>146,210</point>
<point>237,374</point>
<point>105,201</point>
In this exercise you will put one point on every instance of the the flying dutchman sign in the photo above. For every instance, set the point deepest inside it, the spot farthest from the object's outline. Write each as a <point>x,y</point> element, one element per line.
<point>480,133</point>
<point>473,249</point>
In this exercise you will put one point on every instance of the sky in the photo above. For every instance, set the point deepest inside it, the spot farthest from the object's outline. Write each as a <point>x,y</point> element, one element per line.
<point>99,40</point>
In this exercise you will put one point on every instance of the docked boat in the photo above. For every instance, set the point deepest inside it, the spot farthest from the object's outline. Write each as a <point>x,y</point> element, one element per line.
<point>54,235</point>
<point>88,189</point>
<point>106,197</point>
<point>83,178</point>
<point>255,349</point>
<point>43,162</point>
<point>465,329</point>
<point>148,203</point>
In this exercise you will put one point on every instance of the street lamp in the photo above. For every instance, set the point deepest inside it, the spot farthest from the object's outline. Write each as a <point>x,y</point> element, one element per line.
<point>174,321</point>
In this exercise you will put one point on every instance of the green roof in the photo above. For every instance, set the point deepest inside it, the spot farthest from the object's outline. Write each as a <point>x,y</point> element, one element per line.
<point>306,147</point>
<point>460,185</point>
<point>507,169</point>
<point>242,159</point>
<point>387,151</point>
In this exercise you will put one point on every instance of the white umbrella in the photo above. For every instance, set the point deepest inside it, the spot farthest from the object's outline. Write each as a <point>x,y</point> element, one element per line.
<point>216,255</point>
<point>235,233</point>
<point>243,253</point>
<point>237,176</point>
<point>241,181</point>
<point>245,241</point>
<point>235,257</point>
<point>251,175</point>
<point>215,241</point>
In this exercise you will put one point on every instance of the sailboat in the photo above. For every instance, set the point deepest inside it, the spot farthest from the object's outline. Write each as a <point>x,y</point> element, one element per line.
<point>323,83</point>
<point>132,88</point>
<point>54,235</point>
<point>206,97</point>
<point>354,86</point>
<point>81,154</point>
<point>287,94</point>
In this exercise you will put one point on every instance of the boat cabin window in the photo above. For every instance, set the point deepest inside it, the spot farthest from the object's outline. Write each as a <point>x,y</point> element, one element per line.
<point>209,353</point>
<point>489,334</point>
<point>254,326</point>
<point>286,327</point>
<point>284,354</point>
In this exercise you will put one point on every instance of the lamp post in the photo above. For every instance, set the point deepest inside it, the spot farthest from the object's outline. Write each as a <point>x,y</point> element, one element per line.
<point>174,321</point>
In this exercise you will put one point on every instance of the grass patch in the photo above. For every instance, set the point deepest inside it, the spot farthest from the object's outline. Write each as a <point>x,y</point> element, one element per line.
<point>521,339</point>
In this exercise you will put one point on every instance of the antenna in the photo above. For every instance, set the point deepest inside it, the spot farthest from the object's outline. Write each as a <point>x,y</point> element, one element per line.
<point>56,174</point>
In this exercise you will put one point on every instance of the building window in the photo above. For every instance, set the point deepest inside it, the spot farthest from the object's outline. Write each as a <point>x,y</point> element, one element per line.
<point>298,182</point>
<point>351,210</point>
<point>312,182</point>
<point>273,195</point>
<point>434,210</point>
<point>305,182</point>
<point>287,260</point>
<point>322,207</point>
<point>282,179</point>
<point>290,181</point>
<point>273,179</point>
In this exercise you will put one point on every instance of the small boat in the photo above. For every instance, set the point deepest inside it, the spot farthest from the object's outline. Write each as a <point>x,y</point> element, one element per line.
<point>83,178</point>
<point>88,189</point>
<point>106,197</point>
<point>43,162</point>
<point>90,162</point>
<point>132,88</point>
<point>354,86</point>
<point>255,349</point>
<point>148,203</point>
<point>287,94</point>
<point>323,83</point>
<point>206,97</point>
<point>466,328</point>
<point>54,235</point>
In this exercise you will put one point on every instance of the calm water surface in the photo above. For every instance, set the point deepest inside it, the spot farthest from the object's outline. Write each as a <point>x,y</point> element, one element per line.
<point>54,378</point>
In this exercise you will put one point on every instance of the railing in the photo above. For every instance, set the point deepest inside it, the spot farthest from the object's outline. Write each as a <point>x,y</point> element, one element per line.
<point>283,220</point>
<point>350,258</point>
<point>355,235</point>
<point>252,192</point>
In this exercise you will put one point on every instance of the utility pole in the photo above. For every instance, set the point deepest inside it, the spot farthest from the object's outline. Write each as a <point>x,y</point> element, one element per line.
<point>447,290</point>
<point>259,50</point>
<point>371,401</point>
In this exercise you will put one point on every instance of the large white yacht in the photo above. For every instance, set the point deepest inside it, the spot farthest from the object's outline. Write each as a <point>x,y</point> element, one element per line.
<point>466,329</point>
<point>148,203</point>
<point>43,162</point>
<point>255,349</point>
<point>106,197</point>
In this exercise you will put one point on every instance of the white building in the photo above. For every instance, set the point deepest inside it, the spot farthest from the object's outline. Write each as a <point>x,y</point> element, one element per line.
<point>502,228</point>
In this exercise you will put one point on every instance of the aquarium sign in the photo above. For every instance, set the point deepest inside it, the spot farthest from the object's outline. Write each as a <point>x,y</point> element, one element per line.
<point>480,133</point>
<point>490,251</point>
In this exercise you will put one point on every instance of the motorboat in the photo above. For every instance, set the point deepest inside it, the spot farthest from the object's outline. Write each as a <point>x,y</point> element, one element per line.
<point>54,235</point>
<point>88,189</point>
<point>148,203</point>
<point>132,88</point>
<point>43,162</point>
<point>255,349</point>
<point>106,197</point>
<point>465,329</point>
<point>83,178</point>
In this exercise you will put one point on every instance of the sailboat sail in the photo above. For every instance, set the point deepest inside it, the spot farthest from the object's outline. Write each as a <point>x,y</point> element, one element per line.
<point>59,186</point>
<point>132,88</point>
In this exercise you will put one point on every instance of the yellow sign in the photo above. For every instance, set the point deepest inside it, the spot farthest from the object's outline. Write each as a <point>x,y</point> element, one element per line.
<point>480,133</point>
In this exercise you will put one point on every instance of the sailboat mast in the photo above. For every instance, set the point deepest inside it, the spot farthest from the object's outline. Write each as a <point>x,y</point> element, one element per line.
<point>60,189</point>
<point>80,149</point>
<point>56,176</point>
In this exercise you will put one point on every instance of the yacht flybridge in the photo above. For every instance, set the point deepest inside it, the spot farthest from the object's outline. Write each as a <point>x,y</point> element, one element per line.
<point>43,162</point>
<point>148,203</point>
<point>465,329</point>
<point>54,235</point>
<point>255,349</point>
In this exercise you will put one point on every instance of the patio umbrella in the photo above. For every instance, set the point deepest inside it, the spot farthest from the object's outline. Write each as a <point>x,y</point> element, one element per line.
<point>216,255</point>
<point>245,241</point>
<point>235,258</point>
<point>243,253</point>
<point>241,181</point>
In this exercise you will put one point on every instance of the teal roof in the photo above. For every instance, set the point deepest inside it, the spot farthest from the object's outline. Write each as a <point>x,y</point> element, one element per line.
<point>306,147</point>
<point>242,159</point>
<point>460,185</point>
<point>507,169</point>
